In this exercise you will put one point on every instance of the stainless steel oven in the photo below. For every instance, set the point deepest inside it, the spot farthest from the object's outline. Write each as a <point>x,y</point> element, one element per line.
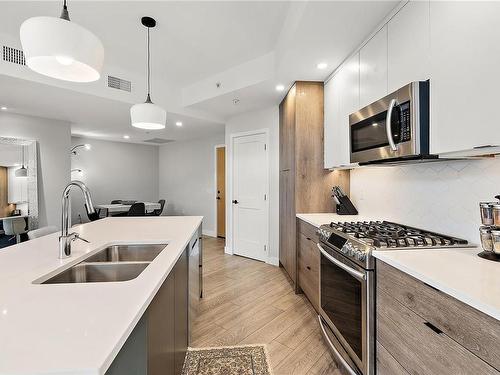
<point>393,128</point>
<point>347,307</point>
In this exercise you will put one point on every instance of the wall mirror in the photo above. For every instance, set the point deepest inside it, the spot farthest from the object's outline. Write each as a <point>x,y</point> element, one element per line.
<point>18,189</point>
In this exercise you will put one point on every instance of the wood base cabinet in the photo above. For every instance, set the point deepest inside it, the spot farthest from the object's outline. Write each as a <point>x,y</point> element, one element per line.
<point>308,261</point>
<point>305,186</point>
<point>421,330</point>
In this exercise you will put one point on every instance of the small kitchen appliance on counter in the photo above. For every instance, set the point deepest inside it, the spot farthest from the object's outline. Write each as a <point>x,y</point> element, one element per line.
<point>347,283</point>
<point>489,232</point>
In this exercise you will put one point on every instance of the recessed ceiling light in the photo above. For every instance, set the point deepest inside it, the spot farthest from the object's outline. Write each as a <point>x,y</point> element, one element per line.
<point>126,136</point>
<point>280,88</point>
<point>3,108</point>
<point>322,65</point>
<point>178,123</point>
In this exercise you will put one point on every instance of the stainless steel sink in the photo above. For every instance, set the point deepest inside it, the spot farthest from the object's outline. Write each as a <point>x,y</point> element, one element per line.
<point>98,273</point>
<point>127,253</point>
<point>113,263</point>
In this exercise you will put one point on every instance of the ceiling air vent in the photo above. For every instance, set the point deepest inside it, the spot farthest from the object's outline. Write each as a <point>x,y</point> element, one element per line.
<point>158,141</point>
<point>119,84</point>
<point>13,55</point>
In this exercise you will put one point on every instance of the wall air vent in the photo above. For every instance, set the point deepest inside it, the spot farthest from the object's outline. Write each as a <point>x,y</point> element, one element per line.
<point>158,141</point>
<point>119,84</point>
<point>13,55</point>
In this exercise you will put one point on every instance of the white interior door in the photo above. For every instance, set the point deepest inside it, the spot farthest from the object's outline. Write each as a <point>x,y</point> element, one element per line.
<point>250,196</point>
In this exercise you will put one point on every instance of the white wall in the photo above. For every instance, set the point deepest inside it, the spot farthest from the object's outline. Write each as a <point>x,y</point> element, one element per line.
<point>114,170</point>
<point>54,142</point>
<point>187,178</point>
<point>441,196</point>
<point>262,119</point>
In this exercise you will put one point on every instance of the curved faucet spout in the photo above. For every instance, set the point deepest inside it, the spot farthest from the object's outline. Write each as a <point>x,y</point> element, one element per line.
<point>66,238</point>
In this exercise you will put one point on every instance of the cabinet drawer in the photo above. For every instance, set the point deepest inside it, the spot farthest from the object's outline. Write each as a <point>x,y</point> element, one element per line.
<point>386,364</point>
<point>308,268</point>
<point>472,329</point>
<point>418,347</point>
<point>308,230</point>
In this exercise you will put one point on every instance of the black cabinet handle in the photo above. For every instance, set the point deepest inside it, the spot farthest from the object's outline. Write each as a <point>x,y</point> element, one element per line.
<point>433,327</point>
<point>235,201</point>
<point>218,198</point>
<point>308,239</point>
<point>309,268</point>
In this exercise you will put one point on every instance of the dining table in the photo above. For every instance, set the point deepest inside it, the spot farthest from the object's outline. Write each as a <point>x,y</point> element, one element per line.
<point>120,207</point>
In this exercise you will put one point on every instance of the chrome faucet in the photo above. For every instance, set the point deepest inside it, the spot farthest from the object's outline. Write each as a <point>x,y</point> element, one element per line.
<point>66,238</point>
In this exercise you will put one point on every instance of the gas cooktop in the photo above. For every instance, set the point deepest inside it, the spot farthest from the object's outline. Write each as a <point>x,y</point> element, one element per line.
<point>356,240</point>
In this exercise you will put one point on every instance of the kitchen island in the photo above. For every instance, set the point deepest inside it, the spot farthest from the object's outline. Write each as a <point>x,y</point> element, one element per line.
<point>79,328</point>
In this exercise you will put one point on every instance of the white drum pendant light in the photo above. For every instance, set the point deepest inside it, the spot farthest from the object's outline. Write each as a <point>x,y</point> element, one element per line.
<point>61,49</point>
<point>148,115</point>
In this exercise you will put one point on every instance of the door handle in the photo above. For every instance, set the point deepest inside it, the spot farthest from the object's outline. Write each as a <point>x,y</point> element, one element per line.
<point>355,273</point>
<point>235,201</point>
<point>388,127</point>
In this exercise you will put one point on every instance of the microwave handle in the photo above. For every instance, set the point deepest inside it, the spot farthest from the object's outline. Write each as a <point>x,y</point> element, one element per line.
<point>388,129</point>
<point>355,273</point>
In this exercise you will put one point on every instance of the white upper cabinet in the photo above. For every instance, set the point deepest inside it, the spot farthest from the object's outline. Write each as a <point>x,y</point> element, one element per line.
<point>373,68</point>
<point>465,78</point>
<point>341,99</point>
<point>408,45</point>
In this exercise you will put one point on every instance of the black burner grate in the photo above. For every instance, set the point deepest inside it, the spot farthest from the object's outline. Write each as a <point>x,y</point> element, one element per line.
<point>388,234</point>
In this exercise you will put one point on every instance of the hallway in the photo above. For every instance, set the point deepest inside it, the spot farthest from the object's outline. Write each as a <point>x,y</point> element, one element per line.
<point>250,302</point>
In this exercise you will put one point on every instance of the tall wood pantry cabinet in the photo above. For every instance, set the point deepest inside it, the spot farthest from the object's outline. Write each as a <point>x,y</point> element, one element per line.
<point>305,186</point>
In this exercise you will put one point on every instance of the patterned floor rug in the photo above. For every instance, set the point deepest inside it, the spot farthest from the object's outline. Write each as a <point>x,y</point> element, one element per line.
<point>228,360</point>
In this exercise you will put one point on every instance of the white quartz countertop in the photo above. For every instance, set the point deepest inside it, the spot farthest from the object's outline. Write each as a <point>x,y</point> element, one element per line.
<point>458,272</point>
<point>79,328</point>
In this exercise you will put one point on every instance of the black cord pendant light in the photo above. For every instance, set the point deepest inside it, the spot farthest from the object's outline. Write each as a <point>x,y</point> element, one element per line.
<point>148,115</point>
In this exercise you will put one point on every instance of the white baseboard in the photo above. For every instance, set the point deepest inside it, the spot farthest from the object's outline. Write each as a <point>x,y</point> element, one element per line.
<point>228,250</point>
<point>209,233</point>
<point>273,260</point>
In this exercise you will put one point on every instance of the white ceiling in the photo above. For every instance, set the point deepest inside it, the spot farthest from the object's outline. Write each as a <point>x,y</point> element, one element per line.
<point>193,42</point>
<point>192,39</point>
<point>97,117</point>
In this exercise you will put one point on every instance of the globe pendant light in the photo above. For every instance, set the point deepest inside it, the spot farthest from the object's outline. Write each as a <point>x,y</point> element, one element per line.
<point>148,115</point>
<point>61,49</point>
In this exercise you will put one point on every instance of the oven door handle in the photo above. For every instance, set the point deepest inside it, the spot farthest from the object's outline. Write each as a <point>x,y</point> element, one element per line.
<point>334,350</point>
<point>358,275</point>
<point>388,127</point>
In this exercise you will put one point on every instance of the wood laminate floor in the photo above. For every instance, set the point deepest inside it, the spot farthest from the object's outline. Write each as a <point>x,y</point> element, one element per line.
<point>250,302</point>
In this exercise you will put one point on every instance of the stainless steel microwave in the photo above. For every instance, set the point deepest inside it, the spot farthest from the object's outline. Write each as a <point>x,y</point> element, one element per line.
<point>392,129</point>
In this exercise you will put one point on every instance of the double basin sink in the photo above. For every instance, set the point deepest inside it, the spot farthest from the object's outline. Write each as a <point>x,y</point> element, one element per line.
<point>113,263</point>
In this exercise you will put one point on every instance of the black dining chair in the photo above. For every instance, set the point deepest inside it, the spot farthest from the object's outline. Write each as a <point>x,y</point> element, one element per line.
<point>94,216</point>
<point>137,209</point>
<point>160,210</point>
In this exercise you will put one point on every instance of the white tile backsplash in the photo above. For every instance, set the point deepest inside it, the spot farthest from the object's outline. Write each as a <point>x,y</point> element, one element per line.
<point>441,196</point>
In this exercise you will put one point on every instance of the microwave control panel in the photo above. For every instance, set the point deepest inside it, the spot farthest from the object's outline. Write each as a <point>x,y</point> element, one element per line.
<point>405,129</point>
